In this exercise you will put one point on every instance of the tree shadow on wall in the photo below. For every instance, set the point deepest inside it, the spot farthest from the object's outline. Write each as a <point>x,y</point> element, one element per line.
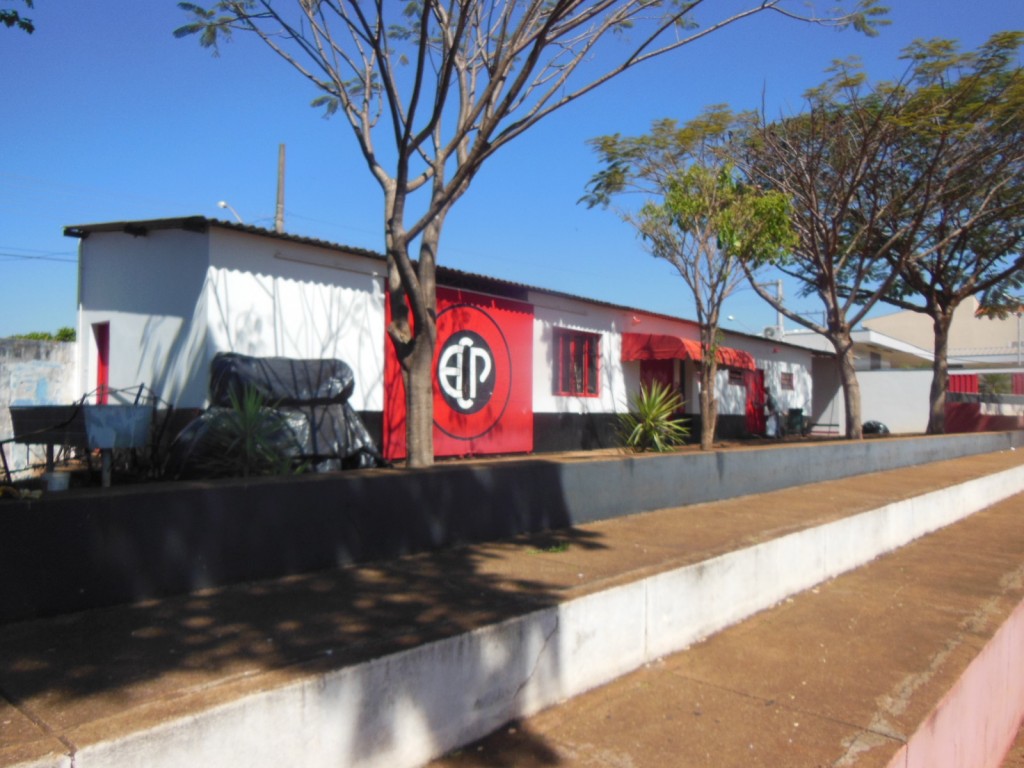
<point>70,669</point>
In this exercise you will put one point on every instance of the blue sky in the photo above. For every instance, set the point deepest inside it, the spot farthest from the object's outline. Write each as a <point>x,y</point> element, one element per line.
<point>106,116</point>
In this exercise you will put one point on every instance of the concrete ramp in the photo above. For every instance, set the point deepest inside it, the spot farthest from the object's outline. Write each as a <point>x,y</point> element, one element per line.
<point>396,664</point>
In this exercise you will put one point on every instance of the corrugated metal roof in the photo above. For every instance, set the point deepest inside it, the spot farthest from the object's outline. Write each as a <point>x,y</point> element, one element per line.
<point>455,278</point>
<point>202,224</point>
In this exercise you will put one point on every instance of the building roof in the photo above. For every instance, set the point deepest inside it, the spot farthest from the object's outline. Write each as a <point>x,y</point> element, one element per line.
<point>898,353</point>
<point>453,278</point>
<point>202,224</point>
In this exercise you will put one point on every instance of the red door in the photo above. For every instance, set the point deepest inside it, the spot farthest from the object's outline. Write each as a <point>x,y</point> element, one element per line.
<point>660,371</point>
<point>754,381</point>
<point>101,332</point>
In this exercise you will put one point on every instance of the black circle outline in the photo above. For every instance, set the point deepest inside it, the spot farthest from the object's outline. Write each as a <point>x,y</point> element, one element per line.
<point>508,356</point>
<point>494,374</point>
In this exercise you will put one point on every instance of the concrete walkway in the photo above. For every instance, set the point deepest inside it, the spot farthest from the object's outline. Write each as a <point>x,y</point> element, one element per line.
<point>840,675</point>
<point>844,674</point>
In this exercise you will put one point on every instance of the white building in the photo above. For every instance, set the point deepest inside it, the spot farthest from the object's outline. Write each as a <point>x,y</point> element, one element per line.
<point>550,371</point>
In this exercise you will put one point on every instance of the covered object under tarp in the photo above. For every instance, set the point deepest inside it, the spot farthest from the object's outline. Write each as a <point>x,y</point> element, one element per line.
<point>311,395</point>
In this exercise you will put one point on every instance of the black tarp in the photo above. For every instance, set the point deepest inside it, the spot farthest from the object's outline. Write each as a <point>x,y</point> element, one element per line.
<point>280,380</point>
<point>320,428</point>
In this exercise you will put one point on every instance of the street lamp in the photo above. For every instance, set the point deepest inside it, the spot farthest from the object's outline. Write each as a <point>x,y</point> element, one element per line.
<point>225,204</point>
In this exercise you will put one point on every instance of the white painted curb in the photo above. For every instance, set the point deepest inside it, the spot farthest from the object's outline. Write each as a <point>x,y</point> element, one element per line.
<point>407,708</point>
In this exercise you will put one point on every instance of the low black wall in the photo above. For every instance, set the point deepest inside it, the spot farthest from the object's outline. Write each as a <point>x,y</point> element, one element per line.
<point>553,432</point>
<point>88,548</point>
<point>574,431</point>
<point>590,431</point>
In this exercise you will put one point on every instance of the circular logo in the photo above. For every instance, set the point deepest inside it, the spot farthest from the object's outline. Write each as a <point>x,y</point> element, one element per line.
<point>474,372</point>
<point>465,372</point>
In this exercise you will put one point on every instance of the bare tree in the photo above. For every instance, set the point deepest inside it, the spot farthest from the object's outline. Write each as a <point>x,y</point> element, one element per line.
<point>840,164</point>
<point>698,215</point>
<point>966,116</point>
<point>907,192</point>
<point>443,86</point>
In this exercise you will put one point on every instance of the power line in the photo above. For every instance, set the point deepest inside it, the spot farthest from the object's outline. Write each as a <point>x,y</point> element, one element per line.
<point>29,257</point>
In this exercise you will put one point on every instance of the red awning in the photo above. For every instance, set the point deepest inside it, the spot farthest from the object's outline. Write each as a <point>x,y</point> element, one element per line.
<point>659,346</point>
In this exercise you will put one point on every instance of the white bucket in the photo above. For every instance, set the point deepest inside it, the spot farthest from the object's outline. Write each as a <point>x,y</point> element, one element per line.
<point>117,426</point>
<point>57,481</point>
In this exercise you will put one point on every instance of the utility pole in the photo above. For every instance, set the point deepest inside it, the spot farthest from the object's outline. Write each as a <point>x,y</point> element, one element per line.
<point>780,329</point>
<point>279,213</point>
<point>778,312</point>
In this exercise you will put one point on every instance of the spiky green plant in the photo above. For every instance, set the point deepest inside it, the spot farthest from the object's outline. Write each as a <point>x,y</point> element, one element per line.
<point>652,423</point>
<point>248,439</point>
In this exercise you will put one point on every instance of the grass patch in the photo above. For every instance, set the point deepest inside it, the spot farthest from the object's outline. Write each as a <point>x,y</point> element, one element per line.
<point>562,546</point>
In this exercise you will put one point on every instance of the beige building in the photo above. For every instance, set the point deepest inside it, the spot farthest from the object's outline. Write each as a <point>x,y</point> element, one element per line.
<point>974,340</point>
<point>893,358</point>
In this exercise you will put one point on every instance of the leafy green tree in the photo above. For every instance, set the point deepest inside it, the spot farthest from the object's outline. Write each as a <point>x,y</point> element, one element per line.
<point>431,90</point>
<point>11,18</point>
<point>967,112</point>
<point>698,215</point>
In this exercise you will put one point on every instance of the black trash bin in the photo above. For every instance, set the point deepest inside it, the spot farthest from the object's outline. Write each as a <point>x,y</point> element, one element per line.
<point>795,421</point>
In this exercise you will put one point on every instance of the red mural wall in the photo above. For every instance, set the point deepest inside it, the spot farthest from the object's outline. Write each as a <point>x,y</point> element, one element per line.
<point>483,378</point>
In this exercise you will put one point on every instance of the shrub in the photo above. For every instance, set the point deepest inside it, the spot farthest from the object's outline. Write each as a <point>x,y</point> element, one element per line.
<point>247,440</point>
<point>652,422</point>
<point>63,334</point>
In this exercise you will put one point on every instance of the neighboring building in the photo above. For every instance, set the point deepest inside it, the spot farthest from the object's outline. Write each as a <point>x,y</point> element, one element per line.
<point>976,340</point>
<point>872,351</point>
<point>519,368</point>
<point>895,373</point>
<point>890,377</point>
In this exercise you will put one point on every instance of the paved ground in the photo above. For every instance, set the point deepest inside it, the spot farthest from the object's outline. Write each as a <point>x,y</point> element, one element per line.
<point>853,664</point>
<point>838,676</point>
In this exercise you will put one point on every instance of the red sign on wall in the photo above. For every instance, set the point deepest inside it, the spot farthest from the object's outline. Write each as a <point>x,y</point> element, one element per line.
<point>483,375</point>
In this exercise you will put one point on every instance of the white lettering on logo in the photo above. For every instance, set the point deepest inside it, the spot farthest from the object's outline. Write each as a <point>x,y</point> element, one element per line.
<point>461,367</point>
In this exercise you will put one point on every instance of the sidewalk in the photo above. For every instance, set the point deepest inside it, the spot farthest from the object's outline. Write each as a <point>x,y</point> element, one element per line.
<point>849,668</point>
<point>841,675</point>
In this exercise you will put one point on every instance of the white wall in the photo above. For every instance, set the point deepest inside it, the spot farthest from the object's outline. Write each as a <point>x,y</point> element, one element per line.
<point>619,380</point>
<point>174,298</point>
<point>897,398</point>
<point>33,373</point>
<point>275,298</point>
<point>732,398</point>
<point>828,410</point>
<point>550,312</point>
<point>148,288</point>
<point>774,359</point>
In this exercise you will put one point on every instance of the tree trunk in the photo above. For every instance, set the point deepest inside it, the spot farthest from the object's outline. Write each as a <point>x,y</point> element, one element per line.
<point>940,373</point>
<point>708,401</point>
<point>419,383</point>
<point>851,387</point>
<point>412,290</point>
<point>419,401</point>
<point>708,410</point>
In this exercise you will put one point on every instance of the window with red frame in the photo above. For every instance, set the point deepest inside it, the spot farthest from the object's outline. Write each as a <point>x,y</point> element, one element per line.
<point>577,371</point>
